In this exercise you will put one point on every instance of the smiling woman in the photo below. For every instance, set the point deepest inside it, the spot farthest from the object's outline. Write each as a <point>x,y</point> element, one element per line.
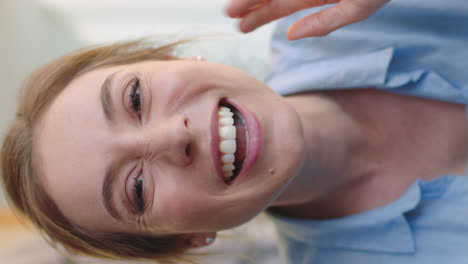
<point>150,162</point>
<point>141,150</point>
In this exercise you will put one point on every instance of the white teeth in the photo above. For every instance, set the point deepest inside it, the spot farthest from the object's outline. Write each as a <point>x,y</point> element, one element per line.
<point>228,167</point>
<point>227,121</point>
<point>227,132</point>
<point>225,114</point>
<point>227,144</point>
<point>228,158</point>
<point>228,174</point>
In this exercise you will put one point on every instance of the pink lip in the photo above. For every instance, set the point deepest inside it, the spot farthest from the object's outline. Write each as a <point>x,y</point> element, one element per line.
<point>215,142</point>
<point>255,139</point>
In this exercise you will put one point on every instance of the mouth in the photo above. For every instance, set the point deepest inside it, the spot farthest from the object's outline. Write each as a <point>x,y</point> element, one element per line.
<point>232,138</point>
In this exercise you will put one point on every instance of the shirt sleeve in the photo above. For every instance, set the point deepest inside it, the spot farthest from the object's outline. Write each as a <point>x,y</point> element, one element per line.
<point>410,47</point>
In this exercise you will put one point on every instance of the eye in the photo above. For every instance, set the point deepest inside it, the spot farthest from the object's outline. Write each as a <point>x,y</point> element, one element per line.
<point>135,194</point>
<point>135,97</point>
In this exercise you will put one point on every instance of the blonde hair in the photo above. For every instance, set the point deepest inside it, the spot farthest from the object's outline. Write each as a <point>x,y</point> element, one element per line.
<point>20,179</point>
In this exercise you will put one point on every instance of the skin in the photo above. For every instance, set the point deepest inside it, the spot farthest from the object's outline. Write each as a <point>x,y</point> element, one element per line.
<point>323,155</point>
<point>375,144</point>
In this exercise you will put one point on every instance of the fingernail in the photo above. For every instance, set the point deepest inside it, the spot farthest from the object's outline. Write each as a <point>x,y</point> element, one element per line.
<point>294,33</point>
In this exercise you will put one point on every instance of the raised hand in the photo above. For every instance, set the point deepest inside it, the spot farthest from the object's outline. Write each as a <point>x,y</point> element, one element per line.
<point>256,13</point>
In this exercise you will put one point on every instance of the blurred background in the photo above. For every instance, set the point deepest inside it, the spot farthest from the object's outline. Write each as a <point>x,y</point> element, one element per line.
<point>33,32</point>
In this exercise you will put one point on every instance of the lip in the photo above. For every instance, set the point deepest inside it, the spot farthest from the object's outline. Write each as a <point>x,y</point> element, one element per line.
<point>215,142</point>
<point>255,139</point>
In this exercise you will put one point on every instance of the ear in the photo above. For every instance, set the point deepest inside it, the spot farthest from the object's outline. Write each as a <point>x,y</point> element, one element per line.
<point>199,239</point>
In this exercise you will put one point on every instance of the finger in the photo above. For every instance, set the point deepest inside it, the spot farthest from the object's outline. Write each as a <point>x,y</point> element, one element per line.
<point>237,8</point>
<point>276,9</point>
<point>269,12</point>
<point>329,20</point>
<point>255,7</point>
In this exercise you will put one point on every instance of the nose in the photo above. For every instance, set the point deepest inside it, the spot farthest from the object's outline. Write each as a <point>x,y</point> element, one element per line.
<point>171,141</point>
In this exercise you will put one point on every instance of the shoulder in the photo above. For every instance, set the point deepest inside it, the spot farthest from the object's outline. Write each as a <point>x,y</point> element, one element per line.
<point>400,232</point>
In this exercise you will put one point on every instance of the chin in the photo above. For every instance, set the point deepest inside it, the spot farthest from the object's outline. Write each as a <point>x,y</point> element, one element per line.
<point>290,153</point>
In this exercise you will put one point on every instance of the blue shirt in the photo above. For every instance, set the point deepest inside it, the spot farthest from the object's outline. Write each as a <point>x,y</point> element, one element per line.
<point>428,224</point>
<point>409,47</point>
<point>412,47</point>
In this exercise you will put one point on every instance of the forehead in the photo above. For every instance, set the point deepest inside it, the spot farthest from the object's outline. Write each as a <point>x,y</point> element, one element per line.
<point>69,143</point>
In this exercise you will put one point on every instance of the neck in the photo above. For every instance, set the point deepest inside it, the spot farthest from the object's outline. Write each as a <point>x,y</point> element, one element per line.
<point>365,147</point>
<point>335,151</point>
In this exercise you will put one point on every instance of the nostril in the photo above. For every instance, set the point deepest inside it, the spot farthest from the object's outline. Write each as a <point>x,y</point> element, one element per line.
<point>188,150</point>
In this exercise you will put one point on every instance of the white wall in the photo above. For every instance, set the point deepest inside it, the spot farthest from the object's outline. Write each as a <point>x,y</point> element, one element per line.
<point>104,20</point>
<point>112,20</point>
<point>29,36</point>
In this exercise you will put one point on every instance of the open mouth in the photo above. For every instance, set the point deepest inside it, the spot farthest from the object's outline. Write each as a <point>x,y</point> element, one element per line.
<point>233,140</point>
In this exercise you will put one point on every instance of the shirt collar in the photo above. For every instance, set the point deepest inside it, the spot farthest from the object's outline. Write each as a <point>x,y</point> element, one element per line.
<point>385,229</point>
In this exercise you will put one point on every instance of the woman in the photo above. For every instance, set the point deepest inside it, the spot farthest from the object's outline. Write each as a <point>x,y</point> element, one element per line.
<point>125,152</point>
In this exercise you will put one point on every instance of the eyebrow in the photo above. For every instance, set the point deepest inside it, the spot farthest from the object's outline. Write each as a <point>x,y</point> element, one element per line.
<point>110,176</point>
<point>106,98</point>
<point>110,179</point>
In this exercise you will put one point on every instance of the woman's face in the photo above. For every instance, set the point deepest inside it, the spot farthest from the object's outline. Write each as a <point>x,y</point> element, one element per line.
<point>134,148</point>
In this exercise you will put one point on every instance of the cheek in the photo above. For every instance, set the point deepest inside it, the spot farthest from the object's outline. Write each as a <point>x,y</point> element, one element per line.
<point>178,84</point>
<point>181,206</point>
<point>183,209</point>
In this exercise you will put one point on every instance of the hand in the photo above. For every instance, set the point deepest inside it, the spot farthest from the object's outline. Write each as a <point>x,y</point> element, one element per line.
<point>256,13</point>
